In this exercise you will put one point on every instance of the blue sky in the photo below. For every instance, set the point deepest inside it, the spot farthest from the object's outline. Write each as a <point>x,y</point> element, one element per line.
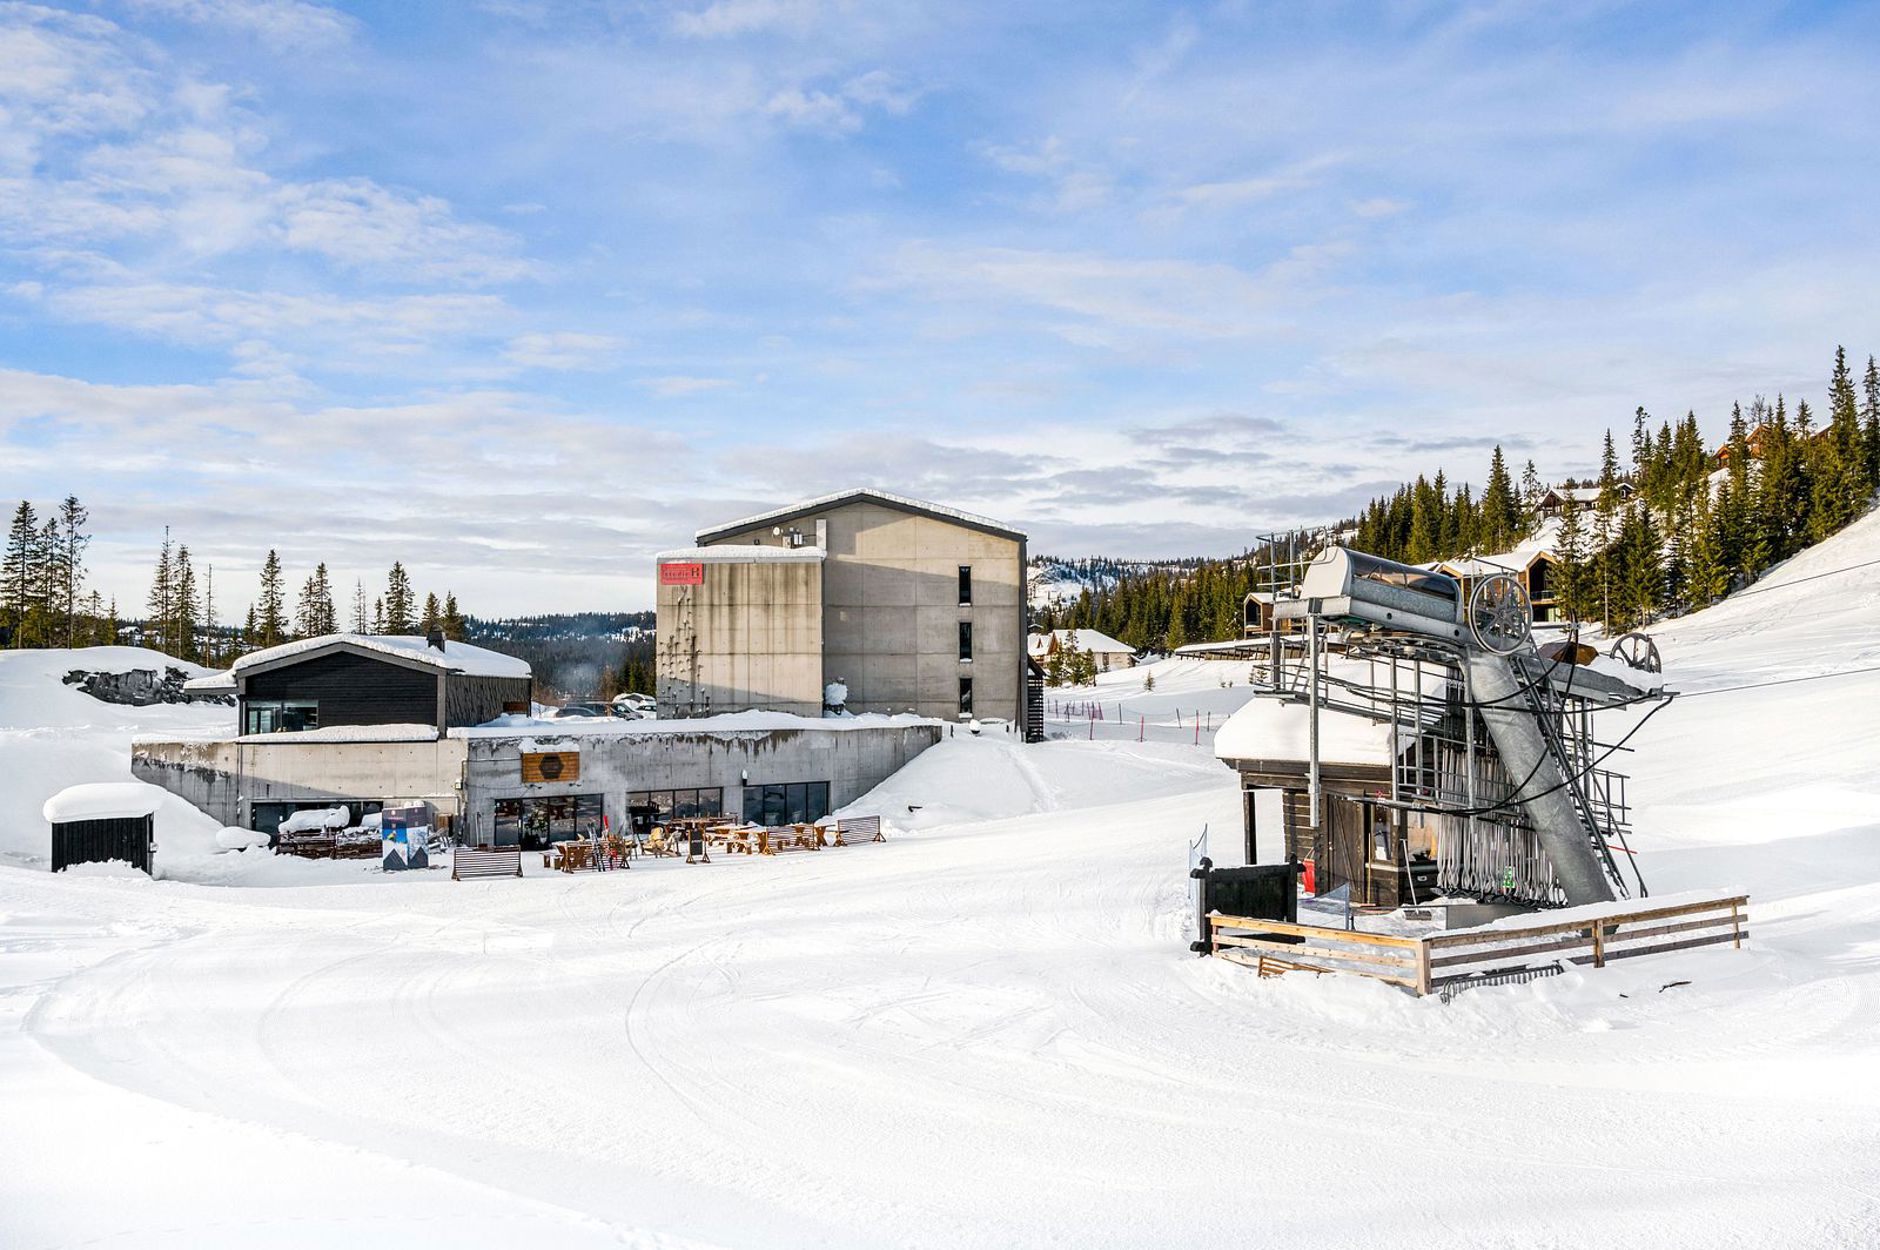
<point>521,292</point>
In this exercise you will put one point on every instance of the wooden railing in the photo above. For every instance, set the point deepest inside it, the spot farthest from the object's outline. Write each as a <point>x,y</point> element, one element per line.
<point>1442,962</point>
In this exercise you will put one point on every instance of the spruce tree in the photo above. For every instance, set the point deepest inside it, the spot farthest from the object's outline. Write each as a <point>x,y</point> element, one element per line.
<point>453,619</point>
<point>433,618</point>
<point>160,605</point>
<point>73,517</point>
<point>1605,520</point>
<point>1570,547</point>
<point>1870,423</point>
<point>398,603</point>
<point>271,612</point>
<point>18,572</point>
<point>361,619</point>
<point>185,610</point>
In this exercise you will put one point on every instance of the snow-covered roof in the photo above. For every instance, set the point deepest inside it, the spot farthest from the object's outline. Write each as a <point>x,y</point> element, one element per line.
<point>217,683</point>
<point>1093,641</point>
<point>527,727</point>
<point>1268,729</point>
<point>893,500</point>
<point>737,553</point>
<point>103,800</point>
<point>456,657</point>
<point>352,733</point>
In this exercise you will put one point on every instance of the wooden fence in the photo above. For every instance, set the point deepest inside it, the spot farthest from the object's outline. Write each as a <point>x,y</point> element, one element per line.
<point>1445,962</point>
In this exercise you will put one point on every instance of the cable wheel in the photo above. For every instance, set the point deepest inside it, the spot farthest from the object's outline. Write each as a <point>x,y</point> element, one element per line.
<point>1500,615</point>
<point>1639,651</point>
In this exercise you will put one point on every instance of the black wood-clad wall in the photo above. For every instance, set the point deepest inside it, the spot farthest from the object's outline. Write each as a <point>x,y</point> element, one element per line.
<point>354,690</point>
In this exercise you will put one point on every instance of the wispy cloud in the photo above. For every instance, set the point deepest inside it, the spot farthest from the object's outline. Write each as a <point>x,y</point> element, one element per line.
<point>678,386</point>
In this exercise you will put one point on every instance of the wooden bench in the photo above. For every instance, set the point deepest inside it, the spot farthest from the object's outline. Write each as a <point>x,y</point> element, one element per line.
<point>475,863</point>
<point>853,829</point>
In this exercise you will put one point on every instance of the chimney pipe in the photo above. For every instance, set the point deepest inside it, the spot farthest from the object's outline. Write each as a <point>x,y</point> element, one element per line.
<point>435,638</point>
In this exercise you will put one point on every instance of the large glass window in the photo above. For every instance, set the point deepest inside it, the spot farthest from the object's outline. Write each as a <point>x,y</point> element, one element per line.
<point>534,823</point>
<point>646,808</point>
<point>786,803</point>
<point>966,583</point>
<point>966,640</point>
<point>281,716</point>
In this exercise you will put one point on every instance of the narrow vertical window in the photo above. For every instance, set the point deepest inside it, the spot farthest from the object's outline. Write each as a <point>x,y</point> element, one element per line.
<point>966,583</point>
<point>966,696</point>
<point>966,640</point>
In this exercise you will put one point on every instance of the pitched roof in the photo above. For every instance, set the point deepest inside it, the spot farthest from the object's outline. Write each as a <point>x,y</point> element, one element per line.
<point>457,657</point>
<point>862,493</point>
<point>1087,640</point>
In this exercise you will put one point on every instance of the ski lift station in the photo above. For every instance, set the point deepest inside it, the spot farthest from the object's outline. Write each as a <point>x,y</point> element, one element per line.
<point>1431,762</point>
<point>1420,745</point>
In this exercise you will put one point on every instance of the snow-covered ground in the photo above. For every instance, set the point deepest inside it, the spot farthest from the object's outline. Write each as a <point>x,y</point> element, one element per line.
<point>986,1031</point>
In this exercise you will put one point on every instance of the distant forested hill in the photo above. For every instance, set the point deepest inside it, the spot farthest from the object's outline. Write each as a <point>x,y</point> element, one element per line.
<point>576,655</point>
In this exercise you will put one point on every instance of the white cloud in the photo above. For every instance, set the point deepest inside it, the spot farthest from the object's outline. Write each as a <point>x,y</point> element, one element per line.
<point>362,225</point>
<point>841,110</point>
<point>564,350</point>
<point>726,18</point>
<point>296,25</point>
<point>678,386</point>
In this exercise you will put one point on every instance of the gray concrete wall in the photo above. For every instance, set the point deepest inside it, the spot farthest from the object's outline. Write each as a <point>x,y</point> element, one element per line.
<point>750,635</point>
<point>891,610</point>
<point>853,761</point>
<point>226,777</point>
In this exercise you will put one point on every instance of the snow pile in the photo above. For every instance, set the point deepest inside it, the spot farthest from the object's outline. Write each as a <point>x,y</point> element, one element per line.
<point>315,820</point>
<point>103,800</point>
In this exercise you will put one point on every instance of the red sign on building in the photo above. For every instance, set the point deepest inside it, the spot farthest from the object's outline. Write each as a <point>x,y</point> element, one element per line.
<point>681,575</point>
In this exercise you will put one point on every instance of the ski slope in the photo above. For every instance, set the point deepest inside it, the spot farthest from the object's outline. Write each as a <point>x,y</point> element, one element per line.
<point>985,1032</point>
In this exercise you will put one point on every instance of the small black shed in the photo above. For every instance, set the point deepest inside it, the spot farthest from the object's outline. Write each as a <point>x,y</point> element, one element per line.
<point>97,823</point>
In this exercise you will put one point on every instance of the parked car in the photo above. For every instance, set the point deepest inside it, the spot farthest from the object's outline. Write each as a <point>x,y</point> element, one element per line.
<point>582,709</point>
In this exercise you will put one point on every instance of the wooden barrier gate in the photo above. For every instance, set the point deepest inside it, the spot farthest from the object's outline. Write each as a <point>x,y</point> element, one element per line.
<point>1447,962</point>
<point>474,863</point>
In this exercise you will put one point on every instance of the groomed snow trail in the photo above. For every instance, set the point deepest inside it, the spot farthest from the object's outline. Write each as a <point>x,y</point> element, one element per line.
<point>984,1033</point>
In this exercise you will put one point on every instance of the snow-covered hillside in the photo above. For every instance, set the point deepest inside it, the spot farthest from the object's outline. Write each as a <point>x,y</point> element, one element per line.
<point>987,1031</point>
<point>53,735</point>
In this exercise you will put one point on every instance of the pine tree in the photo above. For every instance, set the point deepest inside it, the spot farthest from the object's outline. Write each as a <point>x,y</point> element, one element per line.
<point>1570,547</point>
<point>315,617</point>
<point>73,517</point>
<point>160,606</point>
<point>19,573</point>
<point>1870,422</point>
<point>1501,510</point>
<point>453,619</point>
<point>212,639</point>
<point>1605,518</point>
<point>433,618</point>
<point>271,612</point>
<point>1532,492</point>
<point>398,604</point>
<point>378,617</point>
<point>185,610</point>
<point>361,620</point>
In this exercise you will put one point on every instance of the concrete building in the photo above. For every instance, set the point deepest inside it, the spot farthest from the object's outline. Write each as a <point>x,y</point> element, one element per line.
<point>907,606</point>
<point>522,782</point>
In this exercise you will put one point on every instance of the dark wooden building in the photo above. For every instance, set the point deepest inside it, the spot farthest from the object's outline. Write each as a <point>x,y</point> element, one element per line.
<point>360,679</point>
<point>101,822</point>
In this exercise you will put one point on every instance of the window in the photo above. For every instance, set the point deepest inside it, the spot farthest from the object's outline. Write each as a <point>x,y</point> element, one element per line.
<point>966,641</point>
<point>790,803</point>
<point>281,716</point>
<point>534,823</point>
<point>966,584</point>
<point>646,808</point>
<point>966,696</point>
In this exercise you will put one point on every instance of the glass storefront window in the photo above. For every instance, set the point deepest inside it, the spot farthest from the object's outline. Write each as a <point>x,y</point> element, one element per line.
<point>534,823</point>
<point>800,802</point>
<point>647,808</point>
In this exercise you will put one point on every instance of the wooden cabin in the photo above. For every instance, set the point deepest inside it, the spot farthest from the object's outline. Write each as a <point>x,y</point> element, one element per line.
<point>1536,568</point>
<point>375,679</point>
<point>1560,500</point>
